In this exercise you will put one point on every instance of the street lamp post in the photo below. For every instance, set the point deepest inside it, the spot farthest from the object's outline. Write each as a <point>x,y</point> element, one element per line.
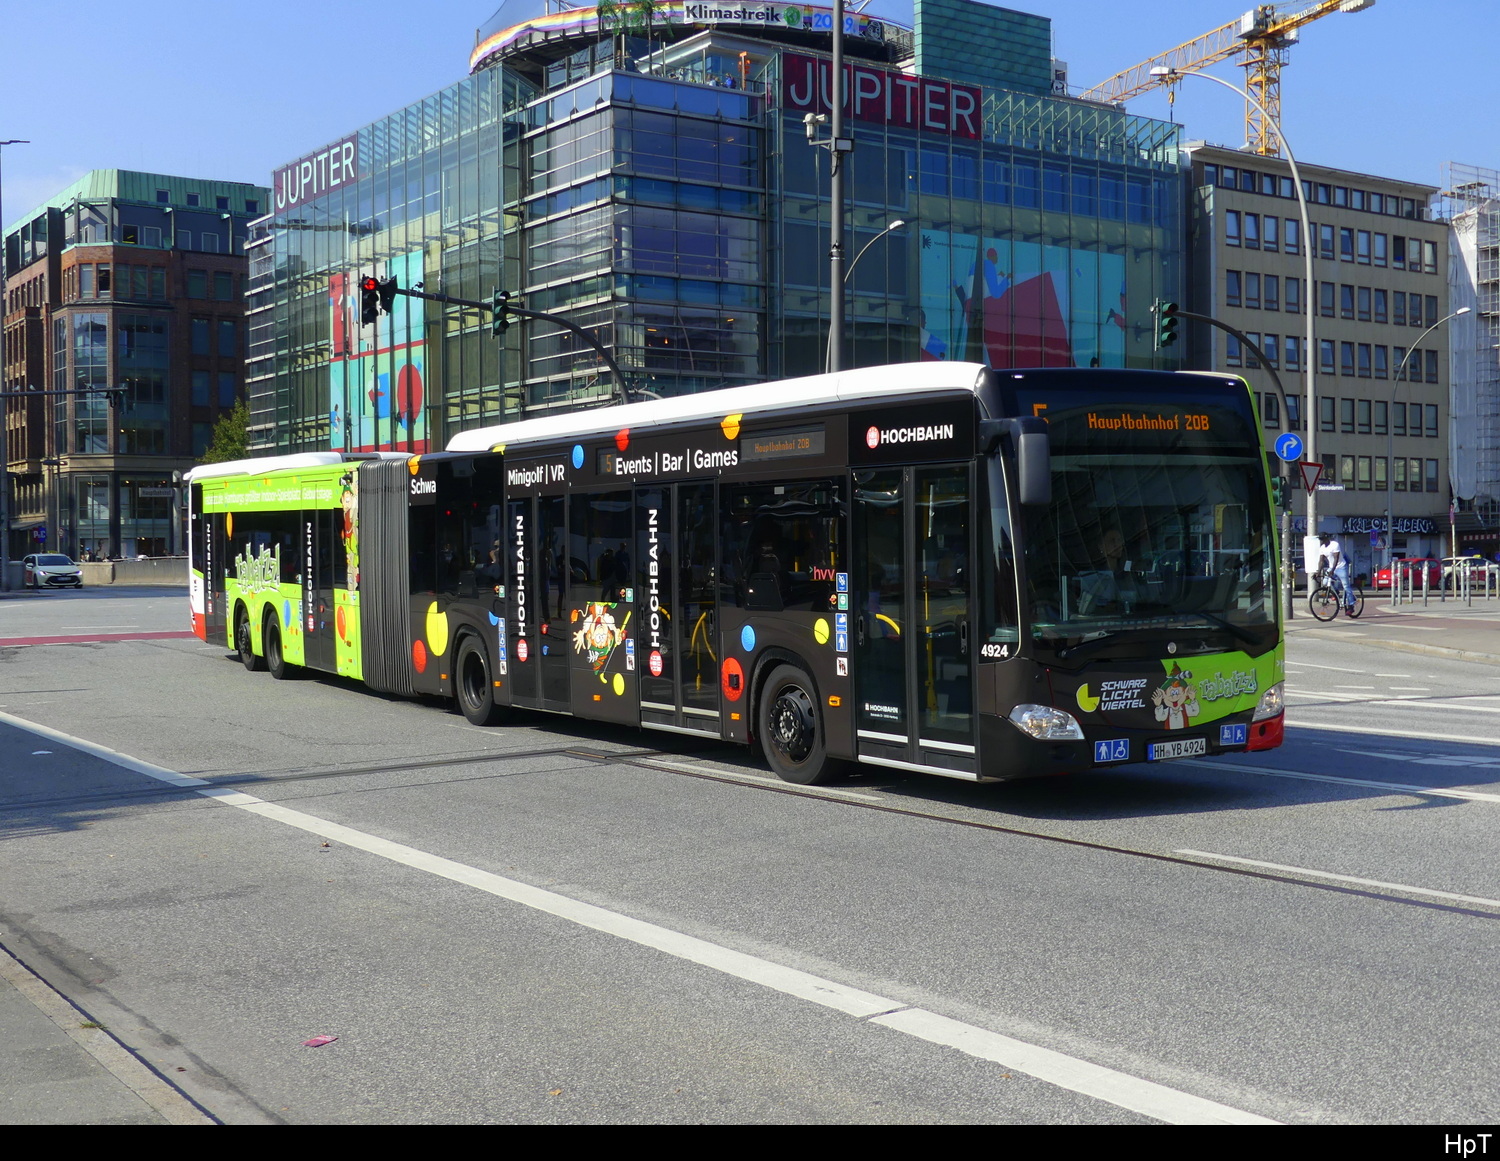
<point>1310,404</point>
<point>1390,443</point>
<point>836,322</point>
<point>4,408</point>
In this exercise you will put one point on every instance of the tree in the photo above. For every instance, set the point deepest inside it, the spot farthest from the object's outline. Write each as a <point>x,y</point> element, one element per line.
<point>640,17</point>
<point>231,438</point>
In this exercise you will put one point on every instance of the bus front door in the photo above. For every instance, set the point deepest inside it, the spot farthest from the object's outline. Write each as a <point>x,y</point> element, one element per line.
<point>911,614</point>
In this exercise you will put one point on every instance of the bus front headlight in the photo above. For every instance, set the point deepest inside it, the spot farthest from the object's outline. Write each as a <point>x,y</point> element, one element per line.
<point>1270,703</point>
<point>1046,723</point>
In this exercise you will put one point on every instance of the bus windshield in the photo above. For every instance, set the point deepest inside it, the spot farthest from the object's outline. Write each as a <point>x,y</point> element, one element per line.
<point>1159,521</point>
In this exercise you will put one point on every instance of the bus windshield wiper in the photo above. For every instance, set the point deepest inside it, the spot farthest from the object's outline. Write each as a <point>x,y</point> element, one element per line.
<point>1238,630</point>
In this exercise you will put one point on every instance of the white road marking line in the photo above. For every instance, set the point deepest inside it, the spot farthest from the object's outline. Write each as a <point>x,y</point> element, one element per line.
<point>1117,1088</point>
<point>1393,675</point>
<point>1443,703</point>
<point>1315,665</point>
<point>1353,687</point>
<point>1385,732</point>
<point>1431,759</point>
<point>1374,784</point>
<point>1480,899</point>
<point>1412,688</point>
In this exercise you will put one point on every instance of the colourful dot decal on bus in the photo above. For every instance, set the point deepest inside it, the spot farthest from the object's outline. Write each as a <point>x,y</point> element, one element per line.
<point>437,630</point>
<point>286,614</point>
<point>418,657</point>
<point>747,638</point>
<point>820,631</point>
<point>732,679</point>
<point>494,620</point>
<point>414,464</point>
<point>339,620</point>
<point>622,438</point>
<point>730,425</point>
<point>578,455</point>
<point>619,685</point>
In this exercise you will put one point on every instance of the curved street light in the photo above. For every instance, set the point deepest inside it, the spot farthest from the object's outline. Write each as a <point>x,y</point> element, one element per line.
<point>1390,443</point>
<point>834,324</point>
<point>1310,351</point>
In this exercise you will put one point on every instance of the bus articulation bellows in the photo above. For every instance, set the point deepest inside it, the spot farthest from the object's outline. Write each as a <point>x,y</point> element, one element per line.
<point>935,567</point>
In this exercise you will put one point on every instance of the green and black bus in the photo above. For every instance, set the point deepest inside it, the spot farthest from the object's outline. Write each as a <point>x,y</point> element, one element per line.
<point>937,567</point>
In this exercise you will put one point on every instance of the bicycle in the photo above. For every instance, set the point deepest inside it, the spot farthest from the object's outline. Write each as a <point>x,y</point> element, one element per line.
<point>1326,599</point>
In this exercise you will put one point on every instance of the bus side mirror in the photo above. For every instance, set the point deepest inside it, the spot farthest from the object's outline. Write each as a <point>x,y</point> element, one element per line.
<point>1033,460</point>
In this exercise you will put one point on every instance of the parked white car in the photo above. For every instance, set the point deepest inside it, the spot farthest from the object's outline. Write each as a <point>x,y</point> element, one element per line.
<point>51,570</point>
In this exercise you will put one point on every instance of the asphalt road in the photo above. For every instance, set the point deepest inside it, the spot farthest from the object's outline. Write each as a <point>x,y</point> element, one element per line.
<point>552,922</point>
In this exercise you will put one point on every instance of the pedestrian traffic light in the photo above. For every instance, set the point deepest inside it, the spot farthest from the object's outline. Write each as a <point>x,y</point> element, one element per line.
<point>500,320</point>
<point>369,300</point>
<point>1166,323</point>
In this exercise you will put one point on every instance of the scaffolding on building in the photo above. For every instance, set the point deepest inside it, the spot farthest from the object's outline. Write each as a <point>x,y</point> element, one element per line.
<point>1470,202</point>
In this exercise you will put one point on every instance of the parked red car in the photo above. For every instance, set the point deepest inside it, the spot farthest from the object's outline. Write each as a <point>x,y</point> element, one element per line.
<point>1415,564</point>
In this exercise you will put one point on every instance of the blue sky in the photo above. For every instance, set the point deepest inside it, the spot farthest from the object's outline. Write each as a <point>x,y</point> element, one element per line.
<point>217,90</point>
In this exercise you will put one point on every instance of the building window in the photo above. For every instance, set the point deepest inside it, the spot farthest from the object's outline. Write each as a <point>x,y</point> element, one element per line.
<point>1340,195</point>
<point>1364,368</point>
<point>1232,351</point>
<point>1251,360</point>
<point>1432,310</point>
<point>1287,191</point>
<point>1270,410</point>
<point>1293,355</point>
<point>1432,475</point>
<point>1232,288</point>
<point>1272,292</point>
<point>1232,228</point>
<point>221,203</point>
<point>163,196</point>
<point>1398,419</point>
<point>1429,257</point>
<point>1398,476</point>
<point>228,389</point>
<point>1325,298</point>
<point>1292,233</point>
<point>1293,297</point>
<point>200,336</point>
<point>1346,301</point>
<point>192,199</point>
<point>1325,359</point>
<point>1326,405</point>
<point>1380,473</point>
<point>1293,413</point>
<point>1252,231</point>
<point>1362,478</point>
<point>1398,252</point>
<point>227,345</point>
<point>1432,366</point>
<point>1346,472</point>
<point>1362,247</point>
<point>197,283</point>
<point>1346,244</point>
<point>223,286</point>
<point>1252,289</point>
<point>1399,298</point>
<point>1382,416</point>
<point>1382,362</point>
<point>252,205</point>
<point>1380,249</point>
<point>1269,233</point>
<point>1325,242</point>
<point>200,388</point>
<point>1363,301</point>
<point>1382,302</point>
<point>1346,360</point>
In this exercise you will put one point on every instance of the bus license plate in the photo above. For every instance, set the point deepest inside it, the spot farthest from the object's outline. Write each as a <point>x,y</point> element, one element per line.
<point>1176,748</point>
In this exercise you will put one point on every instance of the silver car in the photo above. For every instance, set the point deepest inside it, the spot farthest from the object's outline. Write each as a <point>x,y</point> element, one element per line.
<point>51,570</point>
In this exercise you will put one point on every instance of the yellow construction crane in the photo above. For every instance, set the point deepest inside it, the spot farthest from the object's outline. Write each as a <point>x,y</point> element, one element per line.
<point>1262,36</point>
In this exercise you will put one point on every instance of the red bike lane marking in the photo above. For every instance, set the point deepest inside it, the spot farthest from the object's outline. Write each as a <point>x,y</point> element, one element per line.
<point>86,638</point>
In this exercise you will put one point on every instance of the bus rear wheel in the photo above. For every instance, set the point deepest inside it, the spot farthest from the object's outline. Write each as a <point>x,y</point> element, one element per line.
<point>244,644</point>
<point>276,660</point>
<point>790,728</point>
<point>473,686</point>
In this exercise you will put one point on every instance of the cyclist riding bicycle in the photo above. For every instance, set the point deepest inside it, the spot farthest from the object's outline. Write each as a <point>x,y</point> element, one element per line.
<point>1338,564</point>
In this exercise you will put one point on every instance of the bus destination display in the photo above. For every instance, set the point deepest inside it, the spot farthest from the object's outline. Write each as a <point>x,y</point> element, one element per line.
<point>782,445</point>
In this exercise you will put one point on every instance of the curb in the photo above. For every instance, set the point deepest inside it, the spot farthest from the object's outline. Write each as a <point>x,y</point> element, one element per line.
<point>114,1057</point>
<point>1410,647</point>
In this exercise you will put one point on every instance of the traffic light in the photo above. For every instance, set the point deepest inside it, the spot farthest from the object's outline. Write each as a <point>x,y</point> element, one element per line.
<point>387,292</point>
<point>1280,493</point>
<point>1166,323</point>
<point>369,300</point>
<point>500,321</point>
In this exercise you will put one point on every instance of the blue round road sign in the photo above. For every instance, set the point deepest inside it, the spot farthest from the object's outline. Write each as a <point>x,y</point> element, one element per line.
<point>1288,447</point>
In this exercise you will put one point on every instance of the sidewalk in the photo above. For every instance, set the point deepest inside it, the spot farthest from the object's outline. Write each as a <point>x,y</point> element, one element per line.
<point>1439,629</point>
<point>55,1069</point>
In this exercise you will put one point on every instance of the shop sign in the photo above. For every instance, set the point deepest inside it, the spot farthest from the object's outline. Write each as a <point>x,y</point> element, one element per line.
<point>317,174</point>
<point>1413,525</point>
<point>880,97</point>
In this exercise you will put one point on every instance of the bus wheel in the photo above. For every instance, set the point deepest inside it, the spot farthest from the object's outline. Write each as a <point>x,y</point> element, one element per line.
<point>473,686</point>
<point>276,661</point>
<point>243,643</point>
<point>791,733</point>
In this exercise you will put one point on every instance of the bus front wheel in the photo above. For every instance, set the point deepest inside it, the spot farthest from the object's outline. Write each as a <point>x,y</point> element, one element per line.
<point>791,729</point>
<point>473,686</point>
<point>244,644</point>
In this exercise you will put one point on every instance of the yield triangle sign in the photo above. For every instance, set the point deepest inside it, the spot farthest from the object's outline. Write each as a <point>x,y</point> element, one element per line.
<point>1311,470</point>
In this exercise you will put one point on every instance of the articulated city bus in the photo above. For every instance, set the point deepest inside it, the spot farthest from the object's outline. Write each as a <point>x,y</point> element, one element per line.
<point>935,567</point>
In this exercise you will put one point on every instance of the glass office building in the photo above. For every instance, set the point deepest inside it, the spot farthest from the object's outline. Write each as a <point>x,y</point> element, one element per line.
<point>657,187</point>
